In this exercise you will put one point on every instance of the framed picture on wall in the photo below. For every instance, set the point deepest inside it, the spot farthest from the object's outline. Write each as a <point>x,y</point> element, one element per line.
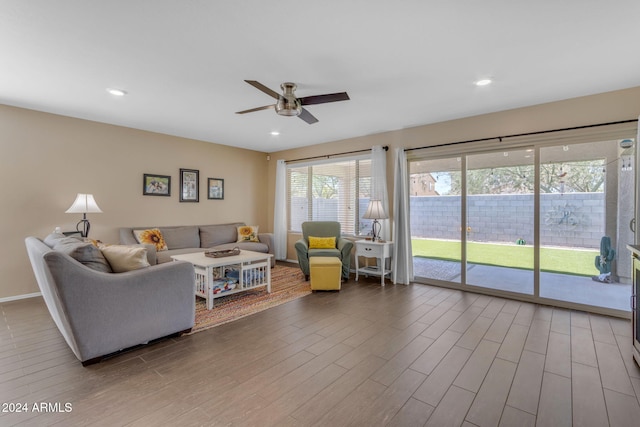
<point>156,185</point>
<point>189,185</point>
<point>215,188</point>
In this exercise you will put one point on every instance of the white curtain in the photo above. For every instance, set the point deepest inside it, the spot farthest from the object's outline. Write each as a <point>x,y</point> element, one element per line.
<point>636,172</point>
<point>379,185</point>
<point>280,212</point>
<point>402,254</point>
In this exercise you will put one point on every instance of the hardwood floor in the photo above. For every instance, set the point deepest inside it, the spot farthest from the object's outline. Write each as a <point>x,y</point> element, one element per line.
<point>365,356</point>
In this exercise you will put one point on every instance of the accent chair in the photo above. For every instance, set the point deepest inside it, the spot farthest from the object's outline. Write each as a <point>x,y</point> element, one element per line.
<point>342,249</point>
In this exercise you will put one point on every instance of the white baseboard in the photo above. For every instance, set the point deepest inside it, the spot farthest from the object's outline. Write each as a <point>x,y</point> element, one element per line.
<point>19,297</point>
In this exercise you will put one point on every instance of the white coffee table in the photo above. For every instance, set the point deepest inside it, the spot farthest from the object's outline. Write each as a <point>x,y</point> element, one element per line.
<point>254,271</point>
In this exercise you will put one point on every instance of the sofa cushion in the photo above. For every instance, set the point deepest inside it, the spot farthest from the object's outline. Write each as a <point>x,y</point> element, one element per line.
<point>214,235</point>
<point>181,237</point>
<point>152,236</point>
<point>124,258</point>
<point>247,233</point>
<point>324,252</point>
<point>83,252</point>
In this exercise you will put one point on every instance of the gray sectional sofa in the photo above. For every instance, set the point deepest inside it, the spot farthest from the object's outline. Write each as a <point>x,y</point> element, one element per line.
<point>186,239</point>
<point>99,312</point>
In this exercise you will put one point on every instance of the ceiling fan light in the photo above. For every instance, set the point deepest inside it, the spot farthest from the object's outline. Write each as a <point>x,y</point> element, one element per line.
<point>288,106</point>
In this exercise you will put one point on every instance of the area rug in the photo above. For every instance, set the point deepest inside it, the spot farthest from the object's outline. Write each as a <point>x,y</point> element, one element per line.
<point>287,284</point>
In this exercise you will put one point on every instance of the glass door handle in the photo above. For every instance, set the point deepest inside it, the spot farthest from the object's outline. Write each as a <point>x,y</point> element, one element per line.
<point>632,225</point>
<point>633,302</point>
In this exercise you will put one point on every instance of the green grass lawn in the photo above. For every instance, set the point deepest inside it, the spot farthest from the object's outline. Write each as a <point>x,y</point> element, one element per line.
<point>578,262</point>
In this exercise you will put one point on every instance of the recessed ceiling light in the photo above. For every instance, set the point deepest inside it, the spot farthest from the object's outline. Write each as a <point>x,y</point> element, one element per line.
<point>275,133</point>
<point>483,82</point>
<point>116,92</point>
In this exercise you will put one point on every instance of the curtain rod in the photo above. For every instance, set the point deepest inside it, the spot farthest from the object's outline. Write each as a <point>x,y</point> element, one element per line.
<point>327,156</point>
<point>540,132</point>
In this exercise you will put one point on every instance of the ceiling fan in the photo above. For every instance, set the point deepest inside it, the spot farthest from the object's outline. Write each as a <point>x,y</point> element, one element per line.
<point>288,105</point>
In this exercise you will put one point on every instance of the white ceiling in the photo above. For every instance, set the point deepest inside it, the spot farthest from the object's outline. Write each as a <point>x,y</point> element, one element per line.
<point>403,63</point>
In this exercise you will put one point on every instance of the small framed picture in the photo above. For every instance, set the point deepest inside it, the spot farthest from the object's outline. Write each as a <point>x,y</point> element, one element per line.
<point>156,185</point>
<point>189,185</point>
<point>215,189</point>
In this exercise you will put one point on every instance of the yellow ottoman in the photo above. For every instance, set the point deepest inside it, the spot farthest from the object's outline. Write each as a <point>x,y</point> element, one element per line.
<point>325,273</point>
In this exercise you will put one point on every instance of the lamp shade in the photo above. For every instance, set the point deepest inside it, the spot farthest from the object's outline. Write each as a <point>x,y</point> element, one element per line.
<point>375,210</point>
<point>84,203</point>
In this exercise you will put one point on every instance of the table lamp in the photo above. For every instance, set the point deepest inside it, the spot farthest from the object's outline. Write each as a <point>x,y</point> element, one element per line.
<point>84,204</point>
<point>375,211</point>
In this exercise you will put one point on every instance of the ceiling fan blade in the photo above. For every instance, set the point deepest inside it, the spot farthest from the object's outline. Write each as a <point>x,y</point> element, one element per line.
<point>266,107</point>
<point>263,88</point>
<point>322,99</point>
<point>307,117</point>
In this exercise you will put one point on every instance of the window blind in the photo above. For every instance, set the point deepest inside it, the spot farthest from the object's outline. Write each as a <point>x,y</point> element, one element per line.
<point>336,190</point>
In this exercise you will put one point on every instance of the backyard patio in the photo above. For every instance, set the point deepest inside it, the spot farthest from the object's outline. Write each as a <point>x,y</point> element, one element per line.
<point>559,286</point>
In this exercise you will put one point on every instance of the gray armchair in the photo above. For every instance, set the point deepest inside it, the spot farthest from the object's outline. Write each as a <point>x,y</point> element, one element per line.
<point>323,229</point>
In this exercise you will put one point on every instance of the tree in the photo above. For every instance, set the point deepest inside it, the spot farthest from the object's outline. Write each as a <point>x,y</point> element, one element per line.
<point>567,177</point>
<point>573,177</point>
<point>325,186</point>
<point>506,180</point>
<point>298,180</point>
<point>322,186</point>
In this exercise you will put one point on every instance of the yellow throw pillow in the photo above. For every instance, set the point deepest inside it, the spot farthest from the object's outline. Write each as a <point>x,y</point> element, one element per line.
<point>151,237</point>
<point>322,242</point>
<point>248,233</point>
<point>125,258</point>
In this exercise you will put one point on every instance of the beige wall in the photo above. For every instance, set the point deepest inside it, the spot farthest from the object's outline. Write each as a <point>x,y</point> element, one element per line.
<point>46,159</point>
<point>601,108</point>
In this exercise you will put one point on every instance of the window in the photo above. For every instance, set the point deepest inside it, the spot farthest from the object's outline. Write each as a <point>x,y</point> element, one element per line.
<point>336,190</point>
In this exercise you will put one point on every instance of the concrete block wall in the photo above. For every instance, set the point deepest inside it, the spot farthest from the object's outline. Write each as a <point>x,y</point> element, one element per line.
<point>574,220</point>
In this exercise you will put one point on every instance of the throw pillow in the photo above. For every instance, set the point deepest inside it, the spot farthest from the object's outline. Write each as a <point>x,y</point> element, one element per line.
<point>248,233</point>
<point>125,258</point>
<point>153,237</point>
<point>83,252</point>
<point>322,242</point>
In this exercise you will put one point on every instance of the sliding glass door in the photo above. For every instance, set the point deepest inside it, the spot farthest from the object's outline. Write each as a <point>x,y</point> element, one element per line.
<point>586,205</point>
<point>500,206</point>
<point>548,222</point>
<point>436,218</point>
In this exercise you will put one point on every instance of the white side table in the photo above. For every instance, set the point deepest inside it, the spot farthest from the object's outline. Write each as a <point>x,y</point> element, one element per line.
<point>379,250</point>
